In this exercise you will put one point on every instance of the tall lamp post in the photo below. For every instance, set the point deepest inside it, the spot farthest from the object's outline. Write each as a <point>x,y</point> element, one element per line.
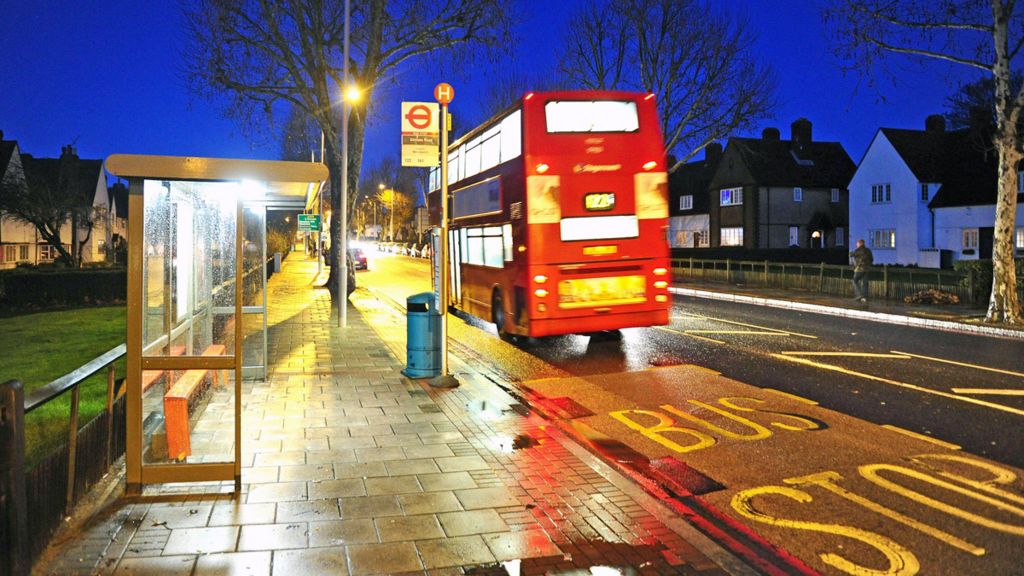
<point>350,94</point>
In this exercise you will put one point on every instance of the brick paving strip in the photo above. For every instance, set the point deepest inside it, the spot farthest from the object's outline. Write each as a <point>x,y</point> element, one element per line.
<point>351,468</point>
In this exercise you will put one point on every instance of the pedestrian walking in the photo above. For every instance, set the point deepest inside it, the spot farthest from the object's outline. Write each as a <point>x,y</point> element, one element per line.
<point>863,259</point>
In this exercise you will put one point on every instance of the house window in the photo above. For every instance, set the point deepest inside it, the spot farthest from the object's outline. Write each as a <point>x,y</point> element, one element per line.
<point>1020,239</point>
<point>835,195</point>
<point>48,252</point>
<point>881,193</point>
<point>924,192</point>
<point>970,238</point>
<point>23,253</point>
<point>731,197</point>
<point>10,253</point>
<point>798,194</point>
<point>702,239</point>
<point>794,235</point>
<point>686,202</point>
<point>732,236</point>
<point>1020,181</point>
<point>883,239</point>
<point>840,236</point>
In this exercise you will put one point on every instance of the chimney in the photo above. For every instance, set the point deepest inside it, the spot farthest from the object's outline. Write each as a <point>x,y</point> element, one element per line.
<point>935,123</point>
<point>713,152</point>
<point>801,134</point>
<point>771,134</point>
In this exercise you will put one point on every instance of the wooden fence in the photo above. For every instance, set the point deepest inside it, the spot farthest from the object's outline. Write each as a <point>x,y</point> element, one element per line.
<point>886,282</point>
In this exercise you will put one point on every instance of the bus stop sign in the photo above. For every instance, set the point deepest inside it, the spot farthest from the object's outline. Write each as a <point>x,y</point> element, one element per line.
<point>444,93</point>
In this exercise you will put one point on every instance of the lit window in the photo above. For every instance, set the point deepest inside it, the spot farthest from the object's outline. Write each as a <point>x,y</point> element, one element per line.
<point>798,194</point>
<point>794,235</point>
<point>731,197</point>
<point>840,236</point>
<point>686,202</point>
<point>970,238</point>
<point>883,239</point>
<point>1020,239</point>
<point>511,136</point>
<point>732,236</point>
<point>599,228</point>
<point>835,195</point>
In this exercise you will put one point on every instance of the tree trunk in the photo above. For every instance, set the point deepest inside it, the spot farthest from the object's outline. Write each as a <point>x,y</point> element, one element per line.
<point>1004,306</point>
<point>357,128</point>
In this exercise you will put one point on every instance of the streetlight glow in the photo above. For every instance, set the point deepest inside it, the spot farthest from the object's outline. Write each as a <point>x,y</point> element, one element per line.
<point>352,94</point>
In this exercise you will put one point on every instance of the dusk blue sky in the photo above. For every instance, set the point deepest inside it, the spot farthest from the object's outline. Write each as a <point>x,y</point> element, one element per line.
<point>106,75</point>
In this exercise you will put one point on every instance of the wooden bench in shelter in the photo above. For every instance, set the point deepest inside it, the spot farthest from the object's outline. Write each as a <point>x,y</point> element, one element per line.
<point>150,377</point>
<point>185,391</point>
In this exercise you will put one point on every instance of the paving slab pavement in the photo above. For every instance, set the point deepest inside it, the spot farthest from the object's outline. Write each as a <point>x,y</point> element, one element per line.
<point>351,468</point>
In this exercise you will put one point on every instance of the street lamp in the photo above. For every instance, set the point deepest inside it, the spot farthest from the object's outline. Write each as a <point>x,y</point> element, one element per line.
<point>350,94</point>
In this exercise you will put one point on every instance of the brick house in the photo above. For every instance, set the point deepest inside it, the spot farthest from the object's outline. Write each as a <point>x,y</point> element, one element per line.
<point>769,193</point>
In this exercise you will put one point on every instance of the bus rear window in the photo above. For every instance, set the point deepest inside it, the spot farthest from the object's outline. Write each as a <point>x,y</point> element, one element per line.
<point>575,116</point>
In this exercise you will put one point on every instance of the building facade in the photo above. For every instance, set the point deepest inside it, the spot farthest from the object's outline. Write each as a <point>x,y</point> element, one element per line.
<point>770,193</point>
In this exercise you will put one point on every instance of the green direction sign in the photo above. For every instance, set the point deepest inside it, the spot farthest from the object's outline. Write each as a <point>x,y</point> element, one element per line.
<point>309,222</point>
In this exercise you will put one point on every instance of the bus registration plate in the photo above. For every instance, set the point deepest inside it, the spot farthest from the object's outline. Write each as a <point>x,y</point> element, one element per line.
<point>608,291</point>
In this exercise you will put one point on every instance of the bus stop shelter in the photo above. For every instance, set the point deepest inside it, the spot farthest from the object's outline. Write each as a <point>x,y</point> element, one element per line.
<point>197,305</point>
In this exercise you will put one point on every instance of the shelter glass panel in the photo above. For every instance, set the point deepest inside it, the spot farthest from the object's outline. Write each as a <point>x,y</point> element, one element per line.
<point>189,264</point>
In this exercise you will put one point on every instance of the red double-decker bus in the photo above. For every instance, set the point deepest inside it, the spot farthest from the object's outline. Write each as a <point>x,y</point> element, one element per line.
<point>558,215</point>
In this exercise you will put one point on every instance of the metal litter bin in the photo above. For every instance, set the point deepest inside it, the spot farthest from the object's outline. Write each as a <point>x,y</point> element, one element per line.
<point>423,338</point>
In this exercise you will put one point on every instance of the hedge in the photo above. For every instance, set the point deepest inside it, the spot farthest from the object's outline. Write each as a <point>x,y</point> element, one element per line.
<point>62,287</point>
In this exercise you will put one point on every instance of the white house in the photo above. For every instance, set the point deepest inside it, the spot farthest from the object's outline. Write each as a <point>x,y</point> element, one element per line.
<point>926,197</point>
<point>22,243</point>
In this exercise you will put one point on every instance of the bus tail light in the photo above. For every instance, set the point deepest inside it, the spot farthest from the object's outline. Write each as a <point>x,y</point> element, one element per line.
<point>650,165</point>
<point>660,298</point>
<point>649,96</point>
<point>542,168</point>
<point>528,96</point>
<point>660,271</point>
<point>542,307</point>
<point>540,292</point>
<point>661,284</point>
<point>540,278</point>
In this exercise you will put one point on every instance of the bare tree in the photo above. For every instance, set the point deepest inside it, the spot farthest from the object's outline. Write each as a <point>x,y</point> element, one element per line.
<point>985,36</point>
<point>393,188</point>
<point>258,54</point>
<point>300,138</point>
<point>698,60</point>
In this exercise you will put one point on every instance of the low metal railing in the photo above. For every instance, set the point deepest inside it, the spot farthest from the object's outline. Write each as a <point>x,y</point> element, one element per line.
<point>50,487</point>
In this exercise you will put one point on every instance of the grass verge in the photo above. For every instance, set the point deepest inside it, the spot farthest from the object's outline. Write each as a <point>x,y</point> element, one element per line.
<point>39,348</point>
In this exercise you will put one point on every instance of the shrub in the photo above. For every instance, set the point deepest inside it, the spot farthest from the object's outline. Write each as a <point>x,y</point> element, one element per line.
<point>61,287</point>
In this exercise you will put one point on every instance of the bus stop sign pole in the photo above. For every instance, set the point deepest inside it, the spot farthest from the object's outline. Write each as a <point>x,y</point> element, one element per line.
<point>444,93</point>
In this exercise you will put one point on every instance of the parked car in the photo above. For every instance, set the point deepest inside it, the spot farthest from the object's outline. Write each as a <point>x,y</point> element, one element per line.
<point>426,251</point>
<point>414,250</point>
<point>358,258</point>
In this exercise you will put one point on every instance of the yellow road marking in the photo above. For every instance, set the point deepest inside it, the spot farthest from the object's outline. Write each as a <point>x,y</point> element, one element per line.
<point>851,354</point>
<point>924,437</point>
<point>688,334</point>
<point>754,326</point>
<point>760,333</point>
<point>955,363</point>
<point>988,391</point>
<point>834,368</point>
<point>791,396</point>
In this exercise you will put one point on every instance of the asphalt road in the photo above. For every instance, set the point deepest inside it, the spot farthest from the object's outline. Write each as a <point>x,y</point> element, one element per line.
<point>852,445</point>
